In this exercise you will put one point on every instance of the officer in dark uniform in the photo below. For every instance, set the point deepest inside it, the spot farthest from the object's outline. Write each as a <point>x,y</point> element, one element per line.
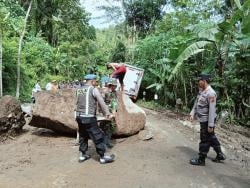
<point>87,98</point>
<point>205,110</point>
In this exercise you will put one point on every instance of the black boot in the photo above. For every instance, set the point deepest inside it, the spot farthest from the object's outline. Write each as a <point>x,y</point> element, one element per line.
<point>200,161</point>
<point>219,157</point>
<point>110,145</point>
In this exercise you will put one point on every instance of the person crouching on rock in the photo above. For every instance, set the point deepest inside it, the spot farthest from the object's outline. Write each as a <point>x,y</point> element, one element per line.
<point>87,98</point>
<point>119,72</point>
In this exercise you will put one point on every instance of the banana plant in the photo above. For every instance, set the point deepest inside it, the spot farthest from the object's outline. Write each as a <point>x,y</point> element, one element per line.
<point>220,37</point>
<point>161,73</point>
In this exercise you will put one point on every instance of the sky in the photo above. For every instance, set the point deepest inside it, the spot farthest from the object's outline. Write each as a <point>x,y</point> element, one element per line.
<point>90,6</point>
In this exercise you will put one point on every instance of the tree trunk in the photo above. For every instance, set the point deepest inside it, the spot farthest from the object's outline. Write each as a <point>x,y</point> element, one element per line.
<point>20,51</point>
<point>185,92</point>
<point>221,75</point>
<point>1,62</point>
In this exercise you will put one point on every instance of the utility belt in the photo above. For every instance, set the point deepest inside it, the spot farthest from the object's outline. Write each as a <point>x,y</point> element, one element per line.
<point>81,114</point>
<point>201,115</point>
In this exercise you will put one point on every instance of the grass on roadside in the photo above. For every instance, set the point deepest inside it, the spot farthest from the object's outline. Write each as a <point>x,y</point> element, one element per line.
<point>150,105</point>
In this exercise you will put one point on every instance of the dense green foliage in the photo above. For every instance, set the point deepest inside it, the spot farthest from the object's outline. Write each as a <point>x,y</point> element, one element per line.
<point>59,43</point>
<point>172,40</point>
<point>187,43</point>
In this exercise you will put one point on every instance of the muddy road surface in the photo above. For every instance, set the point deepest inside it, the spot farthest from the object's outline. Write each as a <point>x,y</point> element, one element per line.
<point>39,159</point>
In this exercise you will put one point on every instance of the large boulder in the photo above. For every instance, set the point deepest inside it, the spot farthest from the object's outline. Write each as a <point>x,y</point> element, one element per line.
<point>11,116</point>
<point>55,111</point>
<point>130,118</point>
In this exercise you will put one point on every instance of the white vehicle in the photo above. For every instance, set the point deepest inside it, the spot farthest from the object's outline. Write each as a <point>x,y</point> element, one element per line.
<point>132,80</point>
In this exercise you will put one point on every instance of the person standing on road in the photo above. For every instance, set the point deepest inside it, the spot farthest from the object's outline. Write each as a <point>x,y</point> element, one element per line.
<point>205,110</point>
<point>119,72</point>
<point>87,98</point>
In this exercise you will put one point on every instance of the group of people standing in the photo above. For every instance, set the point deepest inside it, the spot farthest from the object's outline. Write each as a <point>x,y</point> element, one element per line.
<point>204,110</point>
<point>50,86</point>
<point>89,97</point>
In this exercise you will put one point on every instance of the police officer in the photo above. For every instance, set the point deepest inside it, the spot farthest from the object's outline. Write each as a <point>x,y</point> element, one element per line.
<point>87,98</point>
<point>205,110</point>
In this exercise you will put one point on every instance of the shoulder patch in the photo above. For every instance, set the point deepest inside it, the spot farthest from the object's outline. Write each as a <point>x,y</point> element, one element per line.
<point>212,99</point>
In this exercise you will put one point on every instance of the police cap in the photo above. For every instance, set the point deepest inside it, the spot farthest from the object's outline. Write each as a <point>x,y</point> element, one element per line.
<point>90,77</point>
<point>206,77</point>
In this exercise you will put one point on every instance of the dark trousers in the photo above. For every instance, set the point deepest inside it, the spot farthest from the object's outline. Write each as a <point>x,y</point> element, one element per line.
<point>106,127</point>
<point>88,128</point>
<point>207,139</point>
<point>120,77</point>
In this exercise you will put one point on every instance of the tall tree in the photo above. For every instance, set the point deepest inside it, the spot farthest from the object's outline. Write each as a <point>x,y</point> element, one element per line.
<point>1,61</point>
<point>4,14</point>
<point>118,53</point>
<point>141,15</point>
<point>20,50</point>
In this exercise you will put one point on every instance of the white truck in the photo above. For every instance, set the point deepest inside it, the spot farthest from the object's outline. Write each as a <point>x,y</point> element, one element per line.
<point>132,80</point>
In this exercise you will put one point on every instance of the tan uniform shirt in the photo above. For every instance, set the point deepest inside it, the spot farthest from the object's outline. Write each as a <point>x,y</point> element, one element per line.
<point>205,106</point>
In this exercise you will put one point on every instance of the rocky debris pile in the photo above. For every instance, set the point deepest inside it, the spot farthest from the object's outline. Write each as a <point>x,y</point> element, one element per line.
<point>55,111</point>
<point>11,117</point>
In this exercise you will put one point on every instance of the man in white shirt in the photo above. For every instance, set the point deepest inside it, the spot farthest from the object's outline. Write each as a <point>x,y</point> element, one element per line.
<point>36,89</point>
<point>48,86</point>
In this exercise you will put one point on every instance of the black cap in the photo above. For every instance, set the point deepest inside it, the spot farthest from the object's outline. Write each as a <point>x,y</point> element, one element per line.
<point>206,77</point>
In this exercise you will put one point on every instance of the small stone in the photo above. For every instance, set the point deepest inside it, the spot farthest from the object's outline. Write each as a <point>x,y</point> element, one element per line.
<point>145,135</point>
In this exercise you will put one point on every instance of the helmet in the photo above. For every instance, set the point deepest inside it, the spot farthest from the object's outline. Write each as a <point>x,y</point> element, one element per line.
<point>112,81</point>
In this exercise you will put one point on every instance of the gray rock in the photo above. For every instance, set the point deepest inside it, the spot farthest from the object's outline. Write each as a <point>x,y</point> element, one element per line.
<point>130,118</point>
<point>145,135</point>
<point>55,111</point>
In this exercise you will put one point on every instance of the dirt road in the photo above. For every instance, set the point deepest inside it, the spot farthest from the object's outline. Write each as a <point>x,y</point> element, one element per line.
<point>41,159</point>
